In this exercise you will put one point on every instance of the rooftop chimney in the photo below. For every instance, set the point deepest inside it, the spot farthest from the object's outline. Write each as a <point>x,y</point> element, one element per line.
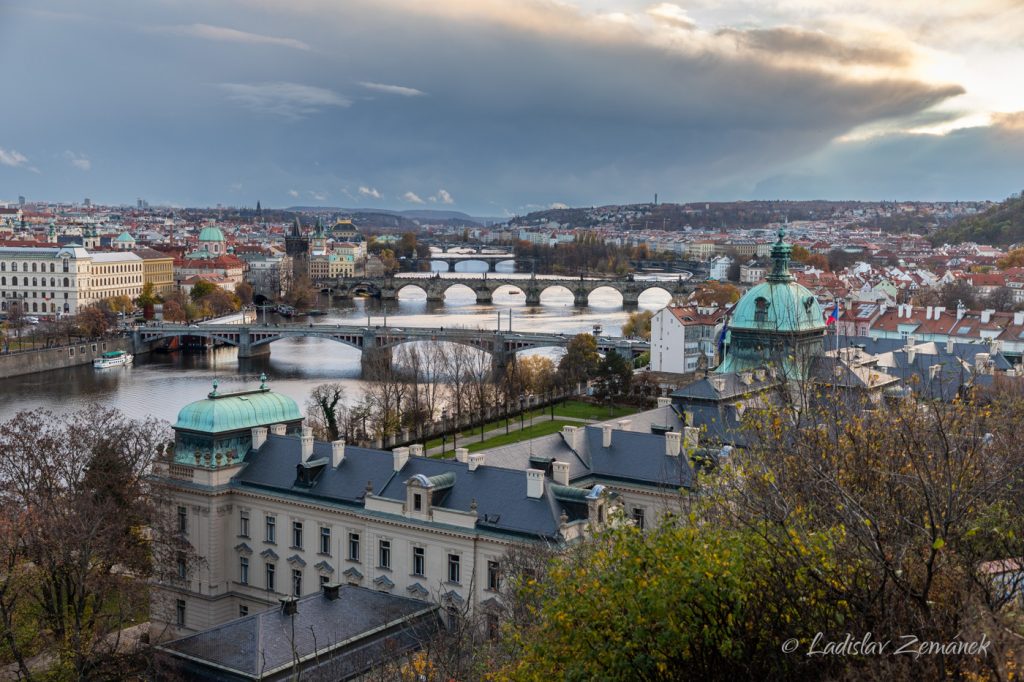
<point>534,483</point>
<point>259,437</point>
<point>986,315</point>
<point>332,590</point>
<point>960,310</point>
<point>572,436</point>
<point>664,401</point>
<point>606,435</point>
<point>560,472</point>
<point>476,460</point>
<point>278,429</point>
<point>401,456</point>
<point>1018,318</point>
<point>911,356</point>
<point>307,442</point>
<point>337,452</point>
<point>289,606</point>
<point>462,455</point>
<point>938,311</point>
<point>416,450</point>
<point>672,441</point>
<point>949,345</point>
<point>625,424</point>
<point>928,313</point>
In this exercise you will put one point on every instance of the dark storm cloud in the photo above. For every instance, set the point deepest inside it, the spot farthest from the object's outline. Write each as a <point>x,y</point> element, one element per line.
<point>817,45</point>
<point>970,163</point>
<point>498,113</point>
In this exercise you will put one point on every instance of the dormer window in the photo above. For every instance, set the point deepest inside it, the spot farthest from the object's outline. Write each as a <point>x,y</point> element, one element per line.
<point>760,309</point>
<point>417,502</point>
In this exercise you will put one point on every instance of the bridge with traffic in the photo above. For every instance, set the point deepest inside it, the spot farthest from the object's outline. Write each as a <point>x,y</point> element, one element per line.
<point>375,343</point>
<point>485,286</point>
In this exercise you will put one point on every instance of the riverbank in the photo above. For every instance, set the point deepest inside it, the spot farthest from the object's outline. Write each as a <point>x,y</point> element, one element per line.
<point>60,357</point>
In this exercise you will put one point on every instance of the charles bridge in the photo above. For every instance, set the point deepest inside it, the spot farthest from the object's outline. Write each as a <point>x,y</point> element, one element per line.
<point>484,286</point>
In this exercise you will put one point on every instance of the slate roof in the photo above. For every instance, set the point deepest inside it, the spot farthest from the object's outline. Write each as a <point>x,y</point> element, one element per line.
<point>260,645</point>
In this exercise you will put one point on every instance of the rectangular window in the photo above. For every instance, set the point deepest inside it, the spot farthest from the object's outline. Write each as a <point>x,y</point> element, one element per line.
<point>454,573</point>
<point>182,568</point>
<point>179,615</point>
<point>353,546</point>
<point>243,570</point>
<point>325,540</point>
<point>243,611</point>
<point>271,569</point>
<point>419,560</point>
<point>384,556</point>
<point>296,582</point>
<point>324,579</point>
<point>243,524</point>
<point>182,520</point>
<point>493,576</point>
<point>417,502</point>
<point>297,534</point>
<point>638,517</point>
<point>271,530</point>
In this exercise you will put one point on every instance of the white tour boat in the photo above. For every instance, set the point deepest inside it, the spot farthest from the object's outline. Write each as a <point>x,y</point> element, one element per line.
<point>114,358</point>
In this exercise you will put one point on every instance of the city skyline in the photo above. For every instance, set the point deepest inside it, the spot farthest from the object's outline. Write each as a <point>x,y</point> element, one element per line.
<point>495,108</point>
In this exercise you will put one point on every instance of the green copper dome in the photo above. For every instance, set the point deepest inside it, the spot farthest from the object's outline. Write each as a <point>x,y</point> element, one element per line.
<point>124,237</point>
<point>211,234</point>
<point>781,304</point>
<point>221,413</point>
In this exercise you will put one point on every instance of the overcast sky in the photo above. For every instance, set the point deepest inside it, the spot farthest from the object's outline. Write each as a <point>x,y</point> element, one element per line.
<point>497,107</point>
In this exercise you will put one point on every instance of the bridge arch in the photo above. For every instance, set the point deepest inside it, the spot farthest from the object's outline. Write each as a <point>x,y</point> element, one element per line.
<point>555,291</point>
<point>605,289</point>
<point>656,288</point>
<point>415,286</point>
<point>458,286</point>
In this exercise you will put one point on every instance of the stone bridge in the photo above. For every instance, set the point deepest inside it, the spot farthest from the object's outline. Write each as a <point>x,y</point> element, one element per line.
<point>435,287</point>
<point>375,343</point>
<point>491,259</point>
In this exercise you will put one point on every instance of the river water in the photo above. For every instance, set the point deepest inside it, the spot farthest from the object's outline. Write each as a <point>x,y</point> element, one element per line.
<point>159,385</point>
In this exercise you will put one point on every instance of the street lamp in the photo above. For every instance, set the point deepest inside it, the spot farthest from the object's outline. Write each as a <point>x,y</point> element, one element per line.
<point>444,429</point>
<point>551,403</point>
<point>506,414</point>
<point>522,411</point>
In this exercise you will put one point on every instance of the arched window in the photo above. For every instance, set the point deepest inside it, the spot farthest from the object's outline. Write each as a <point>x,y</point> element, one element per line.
<point>14,281</point>
<point>35,307</point>
<point>51,267</point>
<point>760,310</point>
<point>33,267</point>
<point>65,265</point>
<point>34,283</point>
<point>65,282</point>
<point>53,282</point>
<point>3,266</point>
<point>14,267</point>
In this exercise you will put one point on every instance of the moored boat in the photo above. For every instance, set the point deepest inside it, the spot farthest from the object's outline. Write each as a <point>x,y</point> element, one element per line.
<point>114,358</point>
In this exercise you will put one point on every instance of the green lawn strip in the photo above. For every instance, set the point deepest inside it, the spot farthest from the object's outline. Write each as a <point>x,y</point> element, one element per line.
<point>535,431</point>
<point>577,409</point>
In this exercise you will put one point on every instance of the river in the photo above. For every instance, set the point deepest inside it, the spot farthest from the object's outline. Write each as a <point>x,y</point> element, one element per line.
<point>159,385</point>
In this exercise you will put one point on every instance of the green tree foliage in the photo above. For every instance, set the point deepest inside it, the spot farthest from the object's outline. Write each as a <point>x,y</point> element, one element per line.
<point>244,292</point>
<point>638,324</point>
<point>1000,225</point>
<point>580,361</point>
<point>201,289</point>
<point>148,296</point>
<point>614,377</point>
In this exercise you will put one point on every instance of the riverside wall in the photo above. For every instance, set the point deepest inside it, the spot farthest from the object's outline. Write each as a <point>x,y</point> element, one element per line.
<point>60,357</point>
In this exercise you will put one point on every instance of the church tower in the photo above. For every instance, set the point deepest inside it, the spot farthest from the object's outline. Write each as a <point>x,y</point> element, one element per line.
<point>296,245</point>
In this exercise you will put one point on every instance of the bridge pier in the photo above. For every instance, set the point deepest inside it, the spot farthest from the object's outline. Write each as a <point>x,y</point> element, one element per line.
<point>580,298</point>
<point>246,349</point>
<point>630,299</point>
<point>499,362</point>
<point>484,295</point>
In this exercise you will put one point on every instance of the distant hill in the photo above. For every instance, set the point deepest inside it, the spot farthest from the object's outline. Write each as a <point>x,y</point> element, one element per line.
<point>423,214</point>
<point>1001,225</point>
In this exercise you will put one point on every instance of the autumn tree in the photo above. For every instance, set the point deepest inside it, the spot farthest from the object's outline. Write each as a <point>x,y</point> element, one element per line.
<point>148,296</point>
<point>92,322</point>
<point>77,499</point>
<point>614,377</point>
<point>244,292</point>
<point>580,360</point>
<point>325,411</point>
<point>201,289</point>
<point>718,293</point>
<point>638,324</point>
<point>530,374</point>
<point>1013,259</point>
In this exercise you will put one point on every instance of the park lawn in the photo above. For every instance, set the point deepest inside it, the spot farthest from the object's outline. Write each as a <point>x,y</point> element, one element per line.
<point>535,431</point>
<point>574,409</point>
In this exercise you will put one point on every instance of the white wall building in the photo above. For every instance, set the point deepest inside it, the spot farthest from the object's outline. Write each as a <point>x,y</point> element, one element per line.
<point>680,335</point>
